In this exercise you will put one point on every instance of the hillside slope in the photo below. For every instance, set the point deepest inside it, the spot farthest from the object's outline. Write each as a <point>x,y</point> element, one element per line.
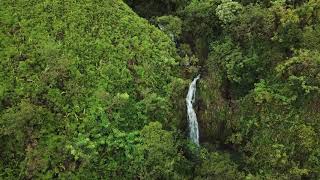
<point>73,77</point>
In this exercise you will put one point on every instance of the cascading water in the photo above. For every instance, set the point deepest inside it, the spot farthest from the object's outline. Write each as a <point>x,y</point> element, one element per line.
<point>192,117</point>
<point>162,28</point>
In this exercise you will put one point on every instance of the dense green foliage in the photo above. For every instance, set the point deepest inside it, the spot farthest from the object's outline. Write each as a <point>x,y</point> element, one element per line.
<point>78,82</point>
<point>93,90</point>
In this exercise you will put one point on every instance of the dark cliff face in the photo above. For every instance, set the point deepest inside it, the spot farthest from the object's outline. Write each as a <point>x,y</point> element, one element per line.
<point>212,109</point>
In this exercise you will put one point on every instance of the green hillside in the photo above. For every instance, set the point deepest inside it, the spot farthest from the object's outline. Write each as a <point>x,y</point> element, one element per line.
<point>78,82</point>
<point>97,89</point>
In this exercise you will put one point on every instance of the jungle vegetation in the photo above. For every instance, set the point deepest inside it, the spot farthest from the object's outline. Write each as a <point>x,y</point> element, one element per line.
<point>96,89</point>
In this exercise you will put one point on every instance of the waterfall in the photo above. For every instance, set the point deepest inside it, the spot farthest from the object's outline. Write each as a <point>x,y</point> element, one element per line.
<point>171,35</point>
<point>192,117</point>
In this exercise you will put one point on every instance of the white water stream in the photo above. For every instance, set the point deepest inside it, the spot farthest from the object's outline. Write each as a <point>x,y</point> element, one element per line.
<point>192,116</point>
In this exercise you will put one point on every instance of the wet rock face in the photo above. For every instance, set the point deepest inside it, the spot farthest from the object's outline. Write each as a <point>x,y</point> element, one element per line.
<point>213,110</point>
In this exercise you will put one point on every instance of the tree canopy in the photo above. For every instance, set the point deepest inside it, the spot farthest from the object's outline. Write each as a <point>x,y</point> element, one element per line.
<point>96,89</point>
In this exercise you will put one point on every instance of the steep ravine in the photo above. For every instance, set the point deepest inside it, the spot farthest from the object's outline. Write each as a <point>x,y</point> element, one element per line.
<point>211,107</point>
